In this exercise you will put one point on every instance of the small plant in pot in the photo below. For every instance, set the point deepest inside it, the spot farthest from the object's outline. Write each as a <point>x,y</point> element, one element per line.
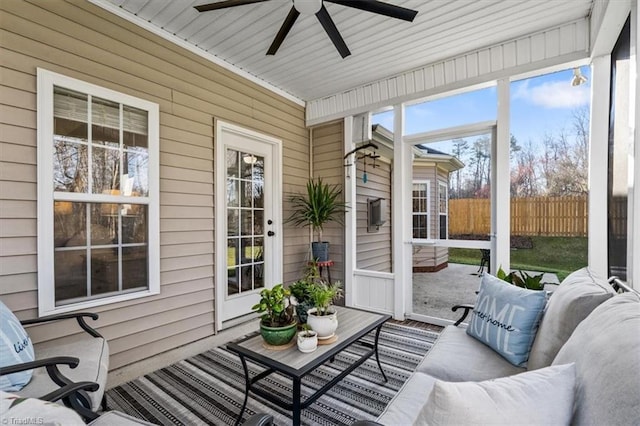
<point>522,279</point>
<point>320,205</point>
<point>302,291</point>
<point>322,318</point>
<point>278,324</point>
<point>307,339</point>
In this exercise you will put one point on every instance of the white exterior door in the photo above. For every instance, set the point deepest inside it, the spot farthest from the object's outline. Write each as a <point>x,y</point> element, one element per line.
<point>248,219</point>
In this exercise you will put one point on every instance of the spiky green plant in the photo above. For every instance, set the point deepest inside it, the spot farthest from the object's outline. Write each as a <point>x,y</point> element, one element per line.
<point>522,279</point>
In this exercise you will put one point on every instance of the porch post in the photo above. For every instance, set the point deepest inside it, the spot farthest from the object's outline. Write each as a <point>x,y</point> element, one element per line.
<point>350,226</point>
<point>501,194</point>
<point>402,258</point>
<point>633,277</point>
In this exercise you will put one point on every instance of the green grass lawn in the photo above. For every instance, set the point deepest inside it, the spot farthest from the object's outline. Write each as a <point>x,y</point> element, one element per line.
<point>560,255</point>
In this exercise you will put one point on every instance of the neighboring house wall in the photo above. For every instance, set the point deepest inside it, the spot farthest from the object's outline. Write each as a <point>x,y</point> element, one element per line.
<point>328,152</point>
<point>373,248</point>
<point>85,42</point>
<point>426,258</point>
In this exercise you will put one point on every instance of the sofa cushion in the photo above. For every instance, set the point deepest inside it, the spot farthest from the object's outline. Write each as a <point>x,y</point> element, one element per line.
<point>93,353</point>
<point>605,347</point>
<point>458,357</point>
<point>541,397</point>
<point>506,318</point>
<point>571,302</point>
<point>17,410</point>
<point>406,406</point>
<point>15,348</point>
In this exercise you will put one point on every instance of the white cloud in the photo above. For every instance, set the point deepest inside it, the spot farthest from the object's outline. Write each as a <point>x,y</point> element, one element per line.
<point>554,94</point>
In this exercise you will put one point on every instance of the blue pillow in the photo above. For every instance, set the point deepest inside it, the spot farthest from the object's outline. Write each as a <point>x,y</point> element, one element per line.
<point>506,318</point>
<point>15,348</point>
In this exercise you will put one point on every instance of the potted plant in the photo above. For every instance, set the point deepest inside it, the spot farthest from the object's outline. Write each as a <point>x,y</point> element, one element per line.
<point>278,324</point>
<point>307,339</point>
<point>320,205</point>
<point>322,318</point>
<point>302,291</point>
<point>522,279</point>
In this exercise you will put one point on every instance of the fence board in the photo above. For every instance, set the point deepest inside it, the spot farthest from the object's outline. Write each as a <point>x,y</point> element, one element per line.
<point>531,216</point>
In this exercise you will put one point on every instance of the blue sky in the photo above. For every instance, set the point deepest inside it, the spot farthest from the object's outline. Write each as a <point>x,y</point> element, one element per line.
<point>540,105</point>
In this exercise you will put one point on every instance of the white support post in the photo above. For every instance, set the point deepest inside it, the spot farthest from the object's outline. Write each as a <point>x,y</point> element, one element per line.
<point>598,167</point>
<point>501,190</point>
<point>633,260</point>
<point>350,225</point>
<point>402,171</point>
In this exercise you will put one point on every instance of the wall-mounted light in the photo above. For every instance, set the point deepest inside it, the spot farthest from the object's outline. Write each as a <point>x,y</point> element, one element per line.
<point>578,78</point>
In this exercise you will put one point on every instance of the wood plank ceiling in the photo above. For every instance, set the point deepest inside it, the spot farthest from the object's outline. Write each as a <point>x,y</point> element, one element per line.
<point>307,64</point>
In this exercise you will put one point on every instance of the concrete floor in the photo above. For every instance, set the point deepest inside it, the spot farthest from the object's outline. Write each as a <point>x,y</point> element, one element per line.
<point>434,293</point>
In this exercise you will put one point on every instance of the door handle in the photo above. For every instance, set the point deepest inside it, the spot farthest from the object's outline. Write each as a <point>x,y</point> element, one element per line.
<point>271,233</point>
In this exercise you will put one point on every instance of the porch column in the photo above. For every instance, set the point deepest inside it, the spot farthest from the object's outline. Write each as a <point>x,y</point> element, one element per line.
<point>501,194</point>
<point>350,224</point>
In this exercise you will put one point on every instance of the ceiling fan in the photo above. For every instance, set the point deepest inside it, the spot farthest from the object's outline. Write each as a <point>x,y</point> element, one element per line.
<point>316,7</point>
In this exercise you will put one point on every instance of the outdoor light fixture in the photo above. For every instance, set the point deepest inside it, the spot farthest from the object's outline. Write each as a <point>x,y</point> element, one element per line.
<point>307,7</point>
<point>578,78</point>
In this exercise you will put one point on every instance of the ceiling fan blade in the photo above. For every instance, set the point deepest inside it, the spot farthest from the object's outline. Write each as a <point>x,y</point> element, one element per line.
<point>332,32</point>
<point>224,4</point>
<point>284,30</point>
<point>379,8</point>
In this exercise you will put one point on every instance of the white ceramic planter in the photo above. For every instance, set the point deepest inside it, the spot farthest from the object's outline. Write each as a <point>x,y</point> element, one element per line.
<point>307,343</point>
<point>324,325</point>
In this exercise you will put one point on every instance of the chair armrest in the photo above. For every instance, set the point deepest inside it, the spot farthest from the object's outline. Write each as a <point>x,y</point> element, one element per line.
<point>467,309</point>
<point>51,364</point>
<point>78,316</point>
<point>70,389</point>
<point>259,419</point>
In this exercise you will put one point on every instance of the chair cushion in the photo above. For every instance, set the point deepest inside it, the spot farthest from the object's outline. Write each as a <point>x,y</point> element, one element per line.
<point>541,397</point>
<point>93,353</point>
<point>458,357</point>
<point>605,347</point>
<point>506,317</point>
<point>406,406</point>
<point>571,302</point>
<point>116,418</point>
<point>17,410</point>
<point>15,348</point>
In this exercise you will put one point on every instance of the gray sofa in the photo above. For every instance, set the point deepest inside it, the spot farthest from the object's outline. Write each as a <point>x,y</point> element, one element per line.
<point>585,323</point>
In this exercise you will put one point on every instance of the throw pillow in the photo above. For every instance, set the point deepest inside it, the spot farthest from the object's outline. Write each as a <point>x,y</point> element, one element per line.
<point>15,348</point>
<point>540,397</point>
<point>573,301</point>
<point>506,318</point>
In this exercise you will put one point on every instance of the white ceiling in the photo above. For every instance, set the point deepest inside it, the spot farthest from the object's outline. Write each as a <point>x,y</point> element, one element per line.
<point>308,66</point>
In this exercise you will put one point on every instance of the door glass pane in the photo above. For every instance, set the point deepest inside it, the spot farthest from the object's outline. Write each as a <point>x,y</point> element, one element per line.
<point>245,216</point>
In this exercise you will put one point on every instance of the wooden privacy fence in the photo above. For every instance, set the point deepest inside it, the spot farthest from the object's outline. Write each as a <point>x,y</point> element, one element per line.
<point>545,216</point>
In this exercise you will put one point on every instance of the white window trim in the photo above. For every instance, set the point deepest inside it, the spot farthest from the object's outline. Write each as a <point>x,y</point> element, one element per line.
<point>46,291</point>
<point>444,184</point>
<point>428,212</point>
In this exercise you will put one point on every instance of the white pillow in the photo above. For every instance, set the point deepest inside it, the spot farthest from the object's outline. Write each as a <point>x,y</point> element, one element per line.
<point>539,397</point>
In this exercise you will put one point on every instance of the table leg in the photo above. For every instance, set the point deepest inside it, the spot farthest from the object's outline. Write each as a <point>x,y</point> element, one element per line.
<point>297,406</point>
<point>377,356</point>
<point>247,389</point>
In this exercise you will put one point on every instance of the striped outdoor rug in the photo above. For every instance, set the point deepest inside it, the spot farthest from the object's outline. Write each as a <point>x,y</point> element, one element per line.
<point>209,388</point>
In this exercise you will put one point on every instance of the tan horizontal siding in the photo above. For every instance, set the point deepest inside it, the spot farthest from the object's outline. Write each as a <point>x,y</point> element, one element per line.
<point>80,40</point>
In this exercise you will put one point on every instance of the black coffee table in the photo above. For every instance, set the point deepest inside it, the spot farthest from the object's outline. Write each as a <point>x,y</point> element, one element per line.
<point>353,325</point>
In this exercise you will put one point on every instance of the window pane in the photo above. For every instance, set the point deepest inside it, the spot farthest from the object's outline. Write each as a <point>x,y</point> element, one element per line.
<point>135,127</point>
<point>233,227</point>
<point>134,223</point>
<point>106,170</point>
<point>443,227</point>
<point>232,163</point>
<point>135,178</point>
<point>134,267</point>
<point>104,224</point>
<point>104,270</point>
<point>232,193</point>
<point>69,224</point>
<point>70,166</point>
<point>70,274</point>
<point>105,119</point>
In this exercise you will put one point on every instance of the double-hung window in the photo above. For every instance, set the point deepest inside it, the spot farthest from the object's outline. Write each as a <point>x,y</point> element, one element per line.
<point>421,198</point>
<point>443,210</point>
<point>98,220</point>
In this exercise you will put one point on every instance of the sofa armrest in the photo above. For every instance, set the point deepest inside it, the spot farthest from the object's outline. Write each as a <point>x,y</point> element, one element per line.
<point>78,316</point>
<point>467,309</point>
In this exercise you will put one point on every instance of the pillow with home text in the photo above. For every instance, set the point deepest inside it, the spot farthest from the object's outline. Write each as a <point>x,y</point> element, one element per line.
<point>506,318</point>
<point>15,348</point>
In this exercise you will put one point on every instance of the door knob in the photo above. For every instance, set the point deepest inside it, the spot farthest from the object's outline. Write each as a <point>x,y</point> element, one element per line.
<point>271,233</point>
